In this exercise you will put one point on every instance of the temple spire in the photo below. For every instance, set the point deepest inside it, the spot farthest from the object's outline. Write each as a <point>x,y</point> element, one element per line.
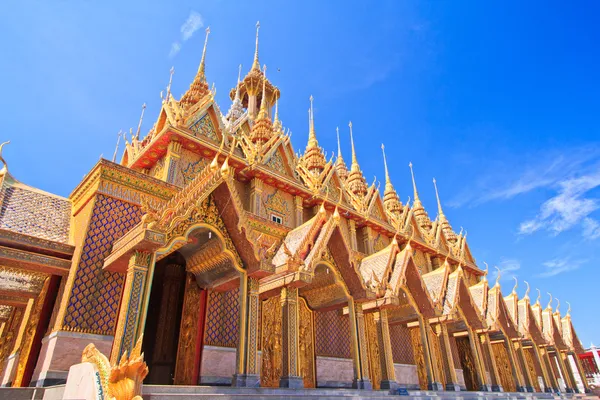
<point>262,130</point>
<point>313,156</point>
<point>137,133</point>
<point>237,87</point>
<point>171,72</point>
<point>262,113</point>
<point>312,136</point>
<point>354,166</point>
<point>387,174</point>
<point>356,181</point>
<point>391,201</point>
<point>201,68</point>
<point>340,165</point>
<point>237,109</point>
<point>255,63</point>
<point>419,211</point>
<point>437,196</point>
<point>412,174</point>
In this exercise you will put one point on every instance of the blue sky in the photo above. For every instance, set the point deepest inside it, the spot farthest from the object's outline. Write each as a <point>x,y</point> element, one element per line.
<point>498,102</point>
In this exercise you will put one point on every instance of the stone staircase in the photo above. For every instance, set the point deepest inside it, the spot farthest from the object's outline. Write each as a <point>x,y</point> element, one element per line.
<point>156,392</point>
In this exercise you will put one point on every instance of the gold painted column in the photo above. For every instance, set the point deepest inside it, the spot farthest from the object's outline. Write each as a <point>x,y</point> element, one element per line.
<point>247,374</point>
<point>386,360</point>
<point>448,360</point>
<point>517,375</point>
<point>132,313</point>
<point>551,375</point>
<point>433,382</point>
<point>256,189</point>
<point>488,356</point>
<point>299,210</point>
<point>172,162</point>
<point>359,346</point>
<point>12,362</point>
<point>581,372</point>
<point>479,366</point>
<point>290,368</point>
<point>352,229</point>
<point>368,240</point>
<point>528,379</point>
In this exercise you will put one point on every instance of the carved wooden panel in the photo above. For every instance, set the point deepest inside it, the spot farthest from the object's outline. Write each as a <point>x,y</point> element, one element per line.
<point>467,362</point>
<point>188,334</point>
<point>373,349</point>
<point>306,344</point>
<point>504,368</point>
<point>531,366</point>
<point>417,345</point>
<point>437,350</point>
<point>271,342</point>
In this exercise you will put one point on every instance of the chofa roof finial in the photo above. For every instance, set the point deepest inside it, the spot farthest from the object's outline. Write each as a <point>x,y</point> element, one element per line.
<point>498,275</point>
<point>527,291</point>
<point>514,290</point>
<point>550,302</point>
<point>539,296</point>
<point>4,169</point>
<point>485,273</point>
<point>568,309</point>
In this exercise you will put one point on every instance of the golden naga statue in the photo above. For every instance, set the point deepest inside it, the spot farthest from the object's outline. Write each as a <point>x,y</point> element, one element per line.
<point>122,381</point>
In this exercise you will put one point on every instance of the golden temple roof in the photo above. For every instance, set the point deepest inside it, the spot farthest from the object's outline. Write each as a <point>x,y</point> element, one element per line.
<point>356,181</point>
<point>199,87</point>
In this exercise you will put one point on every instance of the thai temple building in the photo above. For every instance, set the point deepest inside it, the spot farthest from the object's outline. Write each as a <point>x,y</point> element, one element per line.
<point>231,260</point>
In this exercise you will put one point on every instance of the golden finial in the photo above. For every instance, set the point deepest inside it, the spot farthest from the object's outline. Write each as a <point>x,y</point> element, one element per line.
<point>171,72</point>
<point>498,276</point>
<point>412,174</point>
<point>514,291</point>
<point>137,133</point>
<point>337,132</point>
<point>437,196</point>
<point>117,147</point>
<point>237,88</point>
<point>485,273</point>
<point>387,175</point>
<point>262,113</point>
<point>256,64</point>
<point>201,72</point>
<point>550,302</point>
<point>354,160</point>
<point>4,169</point>
<point>557,305</point>
<point>539,296</point>
<point>312,137</point>
<point>527,291</point>
<point>569,309</point>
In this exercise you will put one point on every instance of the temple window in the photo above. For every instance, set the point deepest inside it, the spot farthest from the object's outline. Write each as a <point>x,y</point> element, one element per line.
<point>276,218</point>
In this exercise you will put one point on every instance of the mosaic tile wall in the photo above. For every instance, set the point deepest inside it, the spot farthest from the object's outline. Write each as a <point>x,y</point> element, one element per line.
<point>402,350</point>
<point>332,332</point>
<point>222,318</point>
<point>94,299</point>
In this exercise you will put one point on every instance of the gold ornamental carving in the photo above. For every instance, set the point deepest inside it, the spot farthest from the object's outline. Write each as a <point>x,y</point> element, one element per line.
<point>530,361</point>
<point>467,362</point>
<point>504,368</point>
<point>306,346</point>
<point>437,351</point>
<point>186,353</point>
<point>122,381</point>
<point>373,349</point>
<point>417,345</point>
<point>271,343</point>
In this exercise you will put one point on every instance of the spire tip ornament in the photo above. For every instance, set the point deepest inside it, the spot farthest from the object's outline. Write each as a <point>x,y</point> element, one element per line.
<point>514,290</point>
<point>498,275</point>
<point>550,302</point>
<point>527,290</point>
<point>255,63</point>
<point>539,296</point>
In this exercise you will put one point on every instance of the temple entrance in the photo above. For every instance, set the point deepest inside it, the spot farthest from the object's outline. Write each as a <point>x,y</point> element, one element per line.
<point>161,334</point>
<point>467,363</point>
<point>504,368</point>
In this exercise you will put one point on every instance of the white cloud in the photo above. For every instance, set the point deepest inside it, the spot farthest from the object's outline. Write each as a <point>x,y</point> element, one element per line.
<point>175,47</point>
<point>558,266</point>
<point>568,208</point>
<point>191,25</point>
<point>591,229</point>
<point>508,268</point>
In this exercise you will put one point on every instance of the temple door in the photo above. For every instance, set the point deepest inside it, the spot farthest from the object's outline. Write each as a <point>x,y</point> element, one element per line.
<point>467,362</point>
<point>415,338</point>
<point>504,368</point>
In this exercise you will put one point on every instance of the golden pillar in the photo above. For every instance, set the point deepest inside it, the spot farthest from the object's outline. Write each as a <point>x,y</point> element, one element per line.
<point>172,161</point>
<point>134,300</point>
<point>10,369</point>
<point>514,365</point>
<point>548,364</point>
<point>565,367</point>
<point>528,379</point>
<point>299,210</point>
<point>386,359</point>
<point>490,359</point>
<point>352,229</point>
<point>433,382</point>
<point>256,189</point>
<point>447,359</point>
<point>581,372</point>
<point>368,240</point>
<point>247,374</point>
<point>359,346</point>
<point>479,365</point>
<point>290,369</point>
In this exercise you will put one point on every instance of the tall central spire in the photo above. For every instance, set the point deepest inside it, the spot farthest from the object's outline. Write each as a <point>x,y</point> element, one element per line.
<point>256,64</point>
<point>416,193</point>
<point>237,109</point>
<point>354,166</point>
<point>437,196</point>
<point>199,88</point>
<point>262,128</point>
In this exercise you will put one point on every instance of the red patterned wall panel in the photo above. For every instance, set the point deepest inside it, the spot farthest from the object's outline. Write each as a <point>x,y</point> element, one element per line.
<point>222,318</point>
<point>402,350</point>
<point>332,332</point>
